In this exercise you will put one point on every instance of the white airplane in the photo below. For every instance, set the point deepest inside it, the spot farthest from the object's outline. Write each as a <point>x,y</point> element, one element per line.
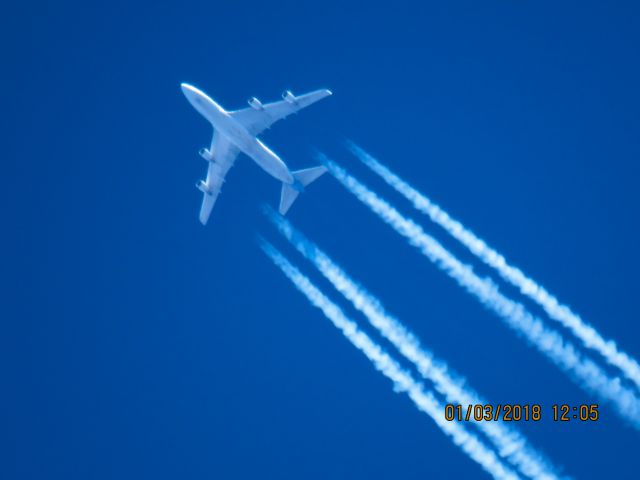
<point>235,132</point>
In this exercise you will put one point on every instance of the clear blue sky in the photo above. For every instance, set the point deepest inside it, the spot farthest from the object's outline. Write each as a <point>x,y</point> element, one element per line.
<point>138,344</point>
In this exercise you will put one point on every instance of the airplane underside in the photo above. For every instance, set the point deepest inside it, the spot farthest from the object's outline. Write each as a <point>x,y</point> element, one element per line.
<point>235,132</point>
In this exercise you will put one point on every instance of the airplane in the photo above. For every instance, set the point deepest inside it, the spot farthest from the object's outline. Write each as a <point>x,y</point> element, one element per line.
<point>236,131</point>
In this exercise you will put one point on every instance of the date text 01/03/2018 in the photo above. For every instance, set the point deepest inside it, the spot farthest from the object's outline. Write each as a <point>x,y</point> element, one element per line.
<point>516,412</point>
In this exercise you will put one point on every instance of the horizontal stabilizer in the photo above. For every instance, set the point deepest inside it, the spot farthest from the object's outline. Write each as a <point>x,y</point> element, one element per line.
<point>291,191</point>
<point>308,175</point>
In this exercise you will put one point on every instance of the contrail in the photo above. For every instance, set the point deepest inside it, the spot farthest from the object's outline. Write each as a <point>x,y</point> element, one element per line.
<point>402,380</point>
<point>561,313</point>
<point>510,444</point>
<point>549,342</point>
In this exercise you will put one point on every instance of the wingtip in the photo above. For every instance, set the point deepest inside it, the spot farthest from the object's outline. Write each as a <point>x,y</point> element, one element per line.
<point>204,219</point>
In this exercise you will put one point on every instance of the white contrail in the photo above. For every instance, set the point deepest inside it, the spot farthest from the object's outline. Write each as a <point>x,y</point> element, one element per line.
<point>510,444</point>
<point>561,313</point>
<point>585,372</point>
<point>402,380</point>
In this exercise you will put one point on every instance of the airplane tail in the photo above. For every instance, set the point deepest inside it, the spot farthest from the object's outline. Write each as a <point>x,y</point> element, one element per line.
<point>291,191</point>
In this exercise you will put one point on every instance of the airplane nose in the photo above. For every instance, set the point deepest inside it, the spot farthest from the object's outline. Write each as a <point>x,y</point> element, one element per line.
<point>186,89</point>
<point>196,97</point>
<point>192,93</point>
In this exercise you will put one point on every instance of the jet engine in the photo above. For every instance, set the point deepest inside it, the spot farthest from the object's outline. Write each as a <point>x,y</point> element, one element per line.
<point>288,97</point>
<point>203,187</point>
<point>206,154</point>
<point>255,103</point>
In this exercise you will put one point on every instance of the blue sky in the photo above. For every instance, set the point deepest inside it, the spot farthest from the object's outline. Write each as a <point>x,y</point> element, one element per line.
<point>139,344</point>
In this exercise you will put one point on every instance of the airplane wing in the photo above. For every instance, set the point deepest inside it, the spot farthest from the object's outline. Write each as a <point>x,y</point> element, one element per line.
<point>259,117</point>
<point>224,155</point>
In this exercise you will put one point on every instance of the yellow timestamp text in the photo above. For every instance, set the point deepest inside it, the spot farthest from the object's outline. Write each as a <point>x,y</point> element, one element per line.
<point>519,412</point>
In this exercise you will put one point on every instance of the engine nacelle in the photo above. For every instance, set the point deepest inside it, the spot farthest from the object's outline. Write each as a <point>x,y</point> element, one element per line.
<point>255,103</point>
<point>289,97</point>
<point>203,187</point>
<point>206,154</point>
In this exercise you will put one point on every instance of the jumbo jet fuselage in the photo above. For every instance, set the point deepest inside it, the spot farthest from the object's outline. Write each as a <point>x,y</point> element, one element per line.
<point>238,135</point>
